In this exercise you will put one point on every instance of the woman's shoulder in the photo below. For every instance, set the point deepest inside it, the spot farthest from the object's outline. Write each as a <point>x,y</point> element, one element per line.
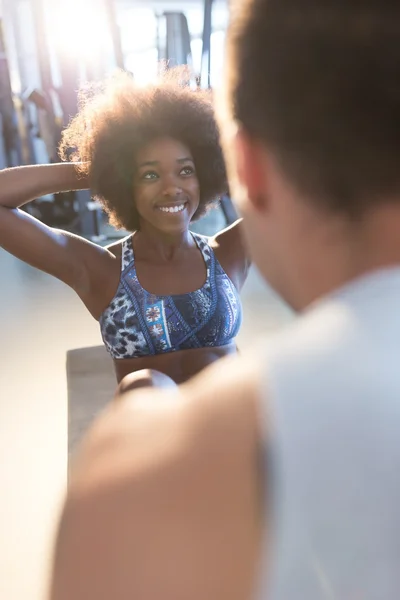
<point>116,248</point>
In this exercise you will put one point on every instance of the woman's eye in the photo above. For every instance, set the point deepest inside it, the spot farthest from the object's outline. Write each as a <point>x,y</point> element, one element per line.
<point>149,175</point>
<point>187,171</point>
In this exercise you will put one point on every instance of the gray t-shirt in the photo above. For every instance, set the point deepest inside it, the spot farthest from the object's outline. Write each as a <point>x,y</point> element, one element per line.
<point>333,393</point>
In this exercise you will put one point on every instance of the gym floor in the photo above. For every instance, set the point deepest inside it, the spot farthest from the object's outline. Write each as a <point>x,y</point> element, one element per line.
<point>40,320</point>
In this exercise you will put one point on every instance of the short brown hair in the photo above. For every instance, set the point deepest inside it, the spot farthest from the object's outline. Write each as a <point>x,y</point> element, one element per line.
<point>318,82</point>
<point>117,118</point>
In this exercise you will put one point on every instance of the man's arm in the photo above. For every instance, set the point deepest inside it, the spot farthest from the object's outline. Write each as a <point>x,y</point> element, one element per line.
<point>163,499</point>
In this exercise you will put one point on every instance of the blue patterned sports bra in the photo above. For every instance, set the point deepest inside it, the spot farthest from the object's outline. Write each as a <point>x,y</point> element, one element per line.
<point>137,323</point>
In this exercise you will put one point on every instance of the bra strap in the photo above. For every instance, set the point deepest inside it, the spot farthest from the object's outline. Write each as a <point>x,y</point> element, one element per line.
<point>127,253</point>
<point>205,249</point>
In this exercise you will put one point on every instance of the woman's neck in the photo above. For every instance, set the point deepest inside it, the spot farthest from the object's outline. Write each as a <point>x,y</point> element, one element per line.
<point>162,246</point>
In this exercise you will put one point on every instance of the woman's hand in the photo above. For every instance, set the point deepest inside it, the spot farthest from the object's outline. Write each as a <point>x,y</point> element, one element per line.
<point>146,378</point>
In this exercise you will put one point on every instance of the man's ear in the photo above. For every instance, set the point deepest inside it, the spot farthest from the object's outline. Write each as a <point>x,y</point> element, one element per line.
<point>251,169</point>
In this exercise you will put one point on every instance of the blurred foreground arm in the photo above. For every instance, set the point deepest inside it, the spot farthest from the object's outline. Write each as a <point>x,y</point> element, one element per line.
<point>163,499</point>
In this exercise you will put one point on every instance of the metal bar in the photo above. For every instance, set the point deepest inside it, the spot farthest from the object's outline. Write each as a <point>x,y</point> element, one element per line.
<point>42,45</point>
<point>14,24</point>
<point>206,53</point>
<point>115,32</point>
<point>8,116</point>
<point>178,50</point>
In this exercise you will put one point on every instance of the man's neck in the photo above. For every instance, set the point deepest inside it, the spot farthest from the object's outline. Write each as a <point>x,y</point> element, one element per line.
<point>340,254</point>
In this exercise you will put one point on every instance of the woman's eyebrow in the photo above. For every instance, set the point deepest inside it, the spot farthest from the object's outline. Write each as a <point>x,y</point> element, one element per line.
<point>153,163</point>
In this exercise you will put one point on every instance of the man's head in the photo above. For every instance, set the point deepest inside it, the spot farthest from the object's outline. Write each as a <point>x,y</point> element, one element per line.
<point>312,102</point>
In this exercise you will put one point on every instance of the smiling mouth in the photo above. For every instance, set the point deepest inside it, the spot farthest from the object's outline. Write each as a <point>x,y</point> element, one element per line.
<point>177,208</point>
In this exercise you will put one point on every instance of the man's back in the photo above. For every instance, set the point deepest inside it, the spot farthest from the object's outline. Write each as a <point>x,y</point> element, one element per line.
<point>333,384</point>
<point>165,503</point>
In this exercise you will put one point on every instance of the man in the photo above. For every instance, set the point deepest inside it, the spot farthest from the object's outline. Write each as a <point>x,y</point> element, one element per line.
<point>281,467</point>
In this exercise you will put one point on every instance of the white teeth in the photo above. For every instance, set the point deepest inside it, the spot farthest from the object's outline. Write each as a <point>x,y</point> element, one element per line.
<point>172,209</point>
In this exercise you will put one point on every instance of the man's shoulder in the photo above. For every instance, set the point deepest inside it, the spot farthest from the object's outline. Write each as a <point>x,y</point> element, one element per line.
<point>168,479</point>
<point>345,342</point>
<point>321,330</point>
<point>220,406</point>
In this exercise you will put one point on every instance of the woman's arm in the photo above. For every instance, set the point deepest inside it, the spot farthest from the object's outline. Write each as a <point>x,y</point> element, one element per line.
<point>20,185</point>
<point>232,252</point>
<point>68,257</point>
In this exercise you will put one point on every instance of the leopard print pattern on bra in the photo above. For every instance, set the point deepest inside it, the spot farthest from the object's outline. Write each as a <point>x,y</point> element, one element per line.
<point>137,323</point>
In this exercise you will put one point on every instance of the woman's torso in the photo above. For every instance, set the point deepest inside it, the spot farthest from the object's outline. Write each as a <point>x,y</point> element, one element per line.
<point>180,365</point>
<point>178,334</point>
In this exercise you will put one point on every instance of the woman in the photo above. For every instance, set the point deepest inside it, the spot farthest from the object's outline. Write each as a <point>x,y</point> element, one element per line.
<point>165,298</point>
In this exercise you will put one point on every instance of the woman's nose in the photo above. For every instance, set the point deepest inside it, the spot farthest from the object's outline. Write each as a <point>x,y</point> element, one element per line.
<point>171,187</point>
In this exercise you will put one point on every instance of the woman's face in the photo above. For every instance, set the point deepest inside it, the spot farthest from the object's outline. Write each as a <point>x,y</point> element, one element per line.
<point>166,186</point>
